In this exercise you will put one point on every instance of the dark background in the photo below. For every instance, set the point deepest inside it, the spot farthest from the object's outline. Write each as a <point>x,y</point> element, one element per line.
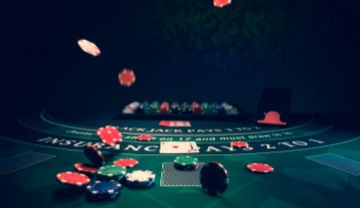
<point>180,50</point>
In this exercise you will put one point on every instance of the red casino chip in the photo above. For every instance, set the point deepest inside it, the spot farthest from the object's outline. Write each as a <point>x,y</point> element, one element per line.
<point>221,3</point>
<point>85,168</point>
<point>126,77</point>
<point>260,167</point>
<point>196,108</point>
<point>73,179</point>
<point>110,135</point>
<point>126,162</point>
<point>239,144</point>
<point>164,108</point>
<point>145,137</point>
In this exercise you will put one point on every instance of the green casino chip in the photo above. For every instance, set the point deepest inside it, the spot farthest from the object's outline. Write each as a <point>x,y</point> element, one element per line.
<point>206,108</point>
<point>153,108</point>
<point>186,163</point>
<point>110,172</point>
<point>186,160</point>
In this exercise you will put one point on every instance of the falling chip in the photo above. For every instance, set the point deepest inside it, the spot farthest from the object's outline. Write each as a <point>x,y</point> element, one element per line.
<point>221,3</point>
<point>126,77</point>
<point>89,47</point>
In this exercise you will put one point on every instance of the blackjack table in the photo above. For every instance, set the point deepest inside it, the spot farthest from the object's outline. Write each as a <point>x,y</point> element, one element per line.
<point>157,103</point>
<point>314,160</point>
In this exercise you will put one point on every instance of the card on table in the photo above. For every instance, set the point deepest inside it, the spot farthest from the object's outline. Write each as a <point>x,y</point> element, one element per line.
<point>338,162</point>
<point>178,147</point>
<point>22,160</point>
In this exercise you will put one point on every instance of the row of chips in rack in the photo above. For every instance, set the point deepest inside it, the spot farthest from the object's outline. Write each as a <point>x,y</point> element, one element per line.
<point>183,108</point>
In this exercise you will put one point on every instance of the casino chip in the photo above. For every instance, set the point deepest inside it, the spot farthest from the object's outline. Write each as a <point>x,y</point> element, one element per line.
<point>186,163</point>
<point>110,135</point>
<point>134,105</point>
<point>126,162</point>
<point>131,108</point>
<point>239,144</point>
<point>73,179</point>
<point>214,178</point>
<point>85,168</point>
<point>94,155</point>
<point>153,108</point>
<point>89,47</point>
<point>140,179</point>
<point>206,108</point>
<point>128,110</point>
<point>164,108</point>
<point>196,108</point>
<point>111,172</point>
<point>126,77</point>
<point>175,108</point>
<point>260,168</point>
<point>103,190</point>
<point>186,108</point>
<point>221,3</point>
<point>145,137</point>
<point>142,107</point>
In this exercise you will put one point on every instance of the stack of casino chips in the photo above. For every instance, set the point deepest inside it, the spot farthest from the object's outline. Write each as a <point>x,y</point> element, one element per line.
<point>175,108</point>
<point>103,190</point>
<point>164,108</point>
<point>131,107</point>
<point>111,172</point>
<point>186,163</point>
<point>101,180</point>
<point>139,179</point>
<point>153,108</point>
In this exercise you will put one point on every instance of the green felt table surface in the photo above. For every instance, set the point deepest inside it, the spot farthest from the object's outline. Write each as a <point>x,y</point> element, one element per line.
<point>295,182</point>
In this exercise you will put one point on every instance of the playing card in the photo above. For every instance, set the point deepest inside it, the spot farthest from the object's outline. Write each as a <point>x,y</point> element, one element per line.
<point>178,147</point>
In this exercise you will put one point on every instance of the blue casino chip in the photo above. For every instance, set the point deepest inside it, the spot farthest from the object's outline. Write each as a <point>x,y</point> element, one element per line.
<point>103,190</point>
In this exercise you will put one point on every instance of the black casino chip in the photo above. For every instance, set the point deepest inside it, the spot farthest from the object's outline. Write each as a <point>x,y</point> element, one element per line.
<point>214,178</point>
<point>94,155</point>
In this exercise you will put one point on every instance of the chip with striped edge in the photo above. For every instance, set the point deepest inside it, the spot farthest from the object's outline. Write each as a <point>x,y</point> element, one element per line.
<point>110,135</point>
<point>85,168</point>
<point>126,162</point>
<point>103,190</point>
<point>94,155</point>
<point>140,179</point>
<point>109,172</point>
<point>73,179</point>
<point>186,162</point>
<point>214,178</point>
<point>260,167</point>
<point>127,77</point>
